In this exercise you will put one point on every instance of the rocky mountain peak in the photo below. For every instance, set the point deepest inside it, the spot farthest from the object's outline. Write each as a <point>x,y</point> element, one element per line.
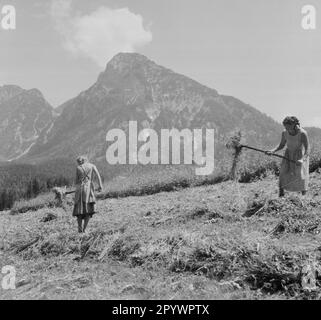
<point>135,65</point>
<point>35,93</point>
<point>124,62</point>
<point>24,116</point>
<point>9,91</point>
<point>137,76</point>
<point>126,59</point>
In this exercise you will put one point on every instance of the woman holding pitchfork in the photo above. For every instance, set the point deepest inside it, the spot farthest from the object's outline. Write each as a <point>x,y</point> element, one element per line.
<point>294,174</point>
<point>85,200</point>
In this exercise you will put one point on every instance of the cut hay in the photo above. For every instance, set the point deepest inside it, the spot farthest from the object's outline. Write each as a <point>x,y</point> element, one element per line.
<point>40,202</point>
<point>291,224</point>
<point>123,247</point>
<point>49,216</point>
<point>234,144</point>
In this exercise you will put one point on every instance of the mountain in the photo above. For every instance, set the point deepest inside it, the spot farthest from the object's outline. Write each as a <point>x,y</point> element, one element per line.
<point>132,87</point>
<point>9,91</point>
<point>24,116</point>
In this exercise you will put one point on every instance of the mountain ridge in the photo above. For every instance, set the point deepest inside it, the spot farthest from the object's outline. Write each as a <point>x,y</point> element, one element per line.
<point>133,87</point>
<point>24,115</point>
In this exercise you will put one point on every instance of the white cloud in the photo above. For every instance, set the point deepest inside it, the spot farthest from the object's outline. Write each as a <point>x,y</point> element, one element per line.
<point>101,34</point>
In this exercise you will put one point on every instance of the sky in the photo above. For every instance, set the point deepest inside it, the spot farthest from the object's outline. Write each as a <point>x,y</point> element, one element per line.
<point>254,50</point>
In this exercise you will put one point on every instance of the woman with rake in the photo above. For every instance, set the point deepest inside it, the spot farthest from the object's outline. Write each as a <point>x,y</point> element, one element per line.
<point>294,173</point>
<point>85,200</point>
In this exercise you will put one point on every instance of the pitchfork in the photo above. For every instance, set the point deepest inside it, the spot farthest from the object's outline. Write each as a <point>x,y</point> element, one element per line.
<point>61,192</point>
<point>273,154</point>
<point>235,144</point>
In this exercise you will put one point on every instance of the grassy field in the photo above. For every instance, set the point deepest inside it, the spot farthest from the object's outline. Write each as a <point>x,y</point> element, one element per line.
<point>223,241</point>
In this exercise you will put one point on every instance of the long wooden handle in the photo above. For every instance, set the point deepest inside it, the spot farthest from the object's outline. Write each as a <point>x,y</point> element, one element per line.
<point>73,191</point>
<point>70,192</point>
<point>273,154</point>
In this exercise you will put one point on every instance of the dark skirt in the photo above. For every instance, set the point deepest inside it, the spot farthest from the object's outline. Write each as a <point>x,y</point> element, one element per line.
<point>83,209</point>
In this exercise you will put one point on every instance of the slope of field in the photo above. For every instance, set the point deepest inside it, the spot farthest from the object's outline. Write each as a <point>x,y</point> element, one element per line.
<point>223,241</point>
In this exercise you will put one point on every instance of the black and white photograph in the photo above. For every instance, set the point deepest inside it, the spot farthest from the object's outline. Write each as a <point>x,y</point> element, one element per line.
<point>160,151</point>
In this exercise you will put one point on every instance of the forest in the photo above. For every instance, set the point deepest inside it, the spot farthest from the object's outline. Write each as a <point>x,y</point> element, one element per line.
<point>25,181</point>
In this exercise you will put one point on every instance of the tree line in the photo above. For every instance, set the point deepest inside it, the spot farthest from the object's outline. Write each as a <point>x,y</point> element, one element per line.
<point>23,181</point>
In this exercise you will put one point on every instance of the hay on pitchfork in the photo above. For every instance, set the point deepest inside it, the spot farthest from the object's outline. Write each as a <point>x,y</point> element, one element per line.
<point>60,197</point>
<point>60,194</point>
<point>234,144</point>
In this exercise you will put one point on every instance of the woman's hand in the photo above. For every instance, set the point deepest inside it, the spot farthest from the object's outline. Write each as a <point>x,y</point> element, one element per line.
<point>299,162</point>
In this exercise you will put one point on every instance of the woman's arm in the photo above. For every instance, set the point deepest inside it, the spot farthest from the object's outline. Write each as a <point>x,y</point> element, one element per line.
<point>77,177</point>
<point>99,178</point>
<point>306,144</point>
<point>280,146</point>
